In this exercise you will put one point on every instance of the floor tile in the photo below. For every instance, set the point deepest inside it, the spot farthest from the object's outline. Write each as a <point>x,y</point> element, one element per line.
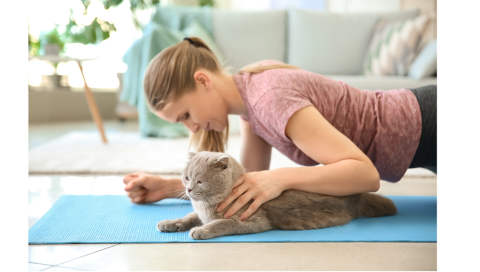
<point>263,256</point>
<point>108,185</point>
<point>410,186</point>
<point>43,191</point>
<point>37,267</point>
<point>61,268</point>
<point>58,254</point>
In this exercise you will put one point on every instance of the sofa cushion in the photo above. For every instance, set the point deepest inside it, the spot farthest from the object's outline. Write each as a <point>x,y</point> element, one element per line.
<point>425,64</point>
<point>331,43</point>
<point>394,46</point>
<point>385,83</point>
<point>250,36</point>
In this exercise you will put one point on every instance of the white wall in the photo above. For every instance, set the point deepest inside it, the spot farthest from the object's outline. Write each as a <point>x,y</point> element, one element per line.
<point>244,4</point>
<point>352,6</point>
<point>252,4</point>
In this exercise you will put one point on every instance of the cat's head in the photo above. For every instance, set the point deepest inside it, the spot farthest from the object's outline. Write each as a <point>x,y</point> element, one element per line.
<point>209,176</point>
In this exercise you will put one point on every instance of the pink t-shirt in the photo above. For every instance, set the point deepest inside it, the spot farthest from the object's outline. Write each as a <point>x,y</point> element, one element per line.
<point>385,125</point>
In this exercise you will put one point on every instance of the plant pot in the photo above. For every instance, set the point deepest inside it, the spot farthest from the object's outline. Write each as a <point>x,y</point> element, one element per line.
<point>52,49</point>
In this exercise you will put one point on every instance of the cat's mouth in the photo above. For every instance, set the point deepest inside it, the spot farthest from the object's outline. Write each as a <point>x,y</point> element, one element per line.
<point>192,196</point>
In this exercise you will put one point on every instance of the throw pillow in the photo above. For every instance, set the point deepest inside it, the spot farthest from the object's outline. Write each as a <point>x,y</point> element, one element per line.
<point>394,46</point>
<point>425,64</point>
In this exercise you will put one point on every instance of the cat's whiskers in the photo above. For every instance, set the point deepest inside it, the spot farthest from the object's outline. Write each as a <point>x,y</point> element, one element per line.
<point>180,196</point>
<point>177,190</point>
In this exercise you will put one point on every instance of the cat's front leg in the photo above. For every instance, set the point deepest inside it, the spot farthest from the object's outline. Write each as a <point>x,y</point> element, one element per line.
<point>231,226</point>
<point>177,225</point>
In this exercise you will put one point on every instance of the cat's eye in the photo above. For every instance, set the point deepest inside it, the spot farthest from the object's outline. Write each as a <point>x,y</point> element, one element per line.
<point>186,177</point>
<point>199,182</point>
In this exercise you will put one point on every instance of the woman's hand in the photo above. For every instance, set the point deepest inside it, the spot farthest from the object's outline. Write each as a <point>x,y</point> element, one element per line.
<point>146,188</point>
<point>260,186</point>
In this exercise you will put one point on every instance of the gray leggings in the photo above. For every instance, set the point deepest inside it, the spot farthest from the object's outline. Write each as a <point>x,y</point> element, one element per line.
<point>426,154</point>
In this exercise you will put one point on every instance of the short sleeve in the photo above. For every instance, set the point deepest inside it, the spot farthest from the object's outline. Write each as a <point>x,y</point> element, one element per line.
<point>275,108</point>
<point>244,118</point>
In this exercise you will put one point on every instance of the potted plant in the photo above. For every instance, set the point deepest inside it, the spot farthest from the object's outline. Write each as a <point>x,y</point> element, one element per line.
<point>49,44</point>
<point>52,43</point>
<point>99,30</point>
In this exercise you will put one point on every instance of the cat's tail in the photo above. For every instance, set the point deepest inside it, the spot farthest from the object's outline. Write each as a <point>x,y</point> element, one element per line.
<point>372,205</point>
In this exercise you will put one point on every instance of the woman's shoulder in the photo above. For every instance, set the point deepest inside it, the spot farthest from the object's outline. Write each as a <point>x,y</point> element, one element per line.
<point>265,62</point>
<point>294,79</point>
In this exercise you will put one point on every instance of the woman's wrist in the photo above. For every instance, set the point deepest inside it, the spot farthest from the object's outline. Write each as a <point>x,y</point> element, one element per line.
<point>175,187</point>
<point>279,177</point>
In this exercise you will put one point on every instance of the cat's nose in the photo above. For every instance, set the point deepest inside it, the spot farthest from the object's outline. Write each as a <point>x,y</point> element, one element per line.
<point>189,190</point>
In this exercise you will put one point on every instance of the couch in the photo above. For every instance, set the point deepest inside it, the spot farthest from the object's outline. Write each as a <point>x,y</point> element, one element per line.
<point>330,44</point>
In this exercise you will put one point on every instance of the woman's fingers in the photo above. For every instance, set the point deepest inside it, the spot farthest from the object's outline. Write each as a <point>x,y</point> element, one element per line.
<point>129,177</point>
<point>135,183</point>
<point>252,208</point>
<point>236,192</point>
<point>138,199</point>
<point>137,193</point>
<point>241,201</point>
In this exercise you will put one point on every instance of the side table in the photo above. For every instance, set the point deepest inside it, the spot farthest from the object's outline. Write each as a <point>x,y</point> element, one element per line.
<point>92,105</point>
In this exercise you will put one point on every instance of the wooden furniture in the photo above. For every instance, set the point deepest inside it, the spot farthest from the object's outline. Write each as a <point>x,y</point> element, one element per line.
<point>88,93</point>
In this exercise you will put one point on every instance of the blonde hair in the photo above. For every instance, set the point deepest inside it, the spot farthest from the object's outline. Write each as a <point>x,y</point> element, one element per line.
<point>169,76</point>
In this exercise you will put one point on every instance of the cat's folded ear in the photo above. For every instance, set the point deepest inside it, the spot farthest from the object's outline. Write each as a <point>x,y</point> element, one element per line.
<point>221,162</point>
<point>191,154</point>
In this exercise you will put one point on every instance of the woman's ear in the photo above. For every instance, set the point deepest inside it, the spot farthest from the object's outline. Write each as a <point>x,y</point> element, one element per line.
<point>202,79</point>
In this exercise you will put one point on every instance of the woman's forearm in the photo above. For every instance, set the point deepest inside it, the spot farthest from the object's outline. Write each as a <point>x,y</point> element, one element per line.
<point>176,187</point>
<point>343,178</point>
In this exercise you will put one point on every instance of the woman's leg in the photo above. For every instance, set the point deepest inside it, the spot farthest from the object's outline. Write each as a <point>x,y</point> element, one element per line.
<point>426,154</point>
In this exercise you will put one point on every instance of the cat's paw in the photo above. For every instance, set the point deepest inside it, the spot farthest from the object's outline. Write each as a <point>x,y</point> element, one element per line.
<point>175,225</point>
<point>199,233</point>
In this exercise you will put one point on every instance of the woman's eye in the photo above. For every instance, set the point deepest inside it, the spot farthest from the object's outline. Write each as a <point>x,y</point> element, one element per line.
<point>186,178</point>
<point>199,182</point>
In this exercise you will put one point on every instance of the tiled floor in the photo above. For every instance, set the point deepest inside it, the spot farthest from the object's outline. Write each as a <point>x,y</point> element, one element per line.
<point>45,190</point>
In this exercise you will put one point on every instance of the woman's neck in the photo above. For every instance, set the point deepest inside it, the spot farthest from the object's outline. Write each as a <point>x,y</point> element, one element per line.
<point>229,91</point>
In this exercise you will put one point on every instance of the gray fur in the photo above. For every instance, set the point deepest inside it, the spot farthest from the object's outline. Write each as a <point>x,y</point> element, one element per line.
<point>292,210</point>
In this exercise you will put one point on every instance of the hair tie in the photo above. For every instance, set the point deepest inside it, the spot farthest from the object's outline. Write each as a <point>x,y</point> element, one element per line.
<point>190,40</point>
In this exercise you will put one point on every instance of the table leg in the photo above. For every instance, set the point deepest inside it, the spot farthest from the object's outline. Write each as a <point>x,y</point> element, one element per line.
<point>93,106</point>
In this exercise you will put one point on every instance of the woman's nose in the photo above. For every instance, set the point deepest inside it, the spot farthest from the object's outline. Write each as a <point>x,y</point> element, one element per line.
<point>192,127</point>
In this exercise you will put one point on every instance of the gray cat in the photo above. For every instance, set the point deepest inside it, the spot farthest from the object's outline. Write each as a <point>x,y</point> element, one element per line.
<point>209,178</point>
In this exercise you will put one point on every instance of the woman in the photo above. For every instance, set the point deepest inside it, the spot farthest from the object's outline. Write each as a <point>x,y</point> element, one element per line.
<point>359,136</point>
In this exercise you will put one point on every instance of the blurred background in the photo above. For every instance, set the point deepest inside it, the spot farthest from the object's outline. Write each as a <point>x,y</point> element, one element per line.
<point>104,30</point>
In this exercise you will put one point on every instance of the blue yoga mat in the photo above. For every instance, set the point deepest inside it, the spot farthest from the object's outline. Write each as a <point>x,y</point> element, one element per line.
<point>89,219</point>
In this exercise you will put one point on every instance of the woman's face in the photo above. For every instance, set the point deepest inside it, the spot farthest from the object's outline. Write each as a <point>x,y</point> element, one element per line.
<point>198,109</point>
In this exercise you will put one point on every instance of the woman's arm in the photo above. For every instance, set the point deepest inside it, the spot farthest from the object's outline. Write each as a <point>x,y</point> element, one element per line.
<point>338,179</point>
<point>255,152</point>
<point>347,170</point>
